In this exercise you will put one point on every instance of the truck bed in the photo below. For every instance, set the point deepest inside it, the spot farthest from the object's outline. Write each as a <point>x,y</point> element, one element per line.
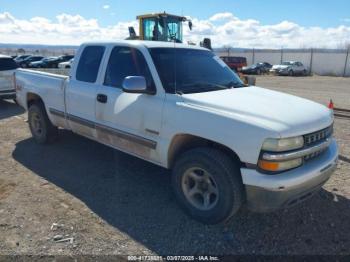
<point>50,87</point>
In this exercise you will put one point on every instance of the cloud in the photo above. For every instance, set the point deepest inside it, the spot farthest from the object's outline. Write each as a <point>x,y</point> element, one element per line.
<point>222,28</point>
<point>222,16</point>
<point>106,6</point>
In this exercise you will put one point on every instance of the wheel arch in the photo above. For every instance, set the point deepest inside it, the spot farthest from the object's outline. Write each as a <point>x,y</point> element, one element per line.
<point>33,98</point>
<point>181,143</point>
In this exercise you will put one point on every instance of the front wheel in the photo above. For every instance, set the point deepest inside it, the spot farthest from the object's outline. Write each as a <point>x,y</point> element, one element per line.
<point>40,125</point>
<point>208,185</point>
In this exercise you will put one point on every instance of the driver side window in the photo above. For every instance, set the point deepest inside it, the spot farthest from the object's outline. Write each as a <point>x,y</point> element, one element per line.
<point>126,61</point>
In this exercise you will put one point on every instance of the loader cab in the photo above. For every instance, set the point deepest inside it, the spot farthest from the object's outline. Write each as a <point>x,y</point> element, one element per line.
<point>162,27</point>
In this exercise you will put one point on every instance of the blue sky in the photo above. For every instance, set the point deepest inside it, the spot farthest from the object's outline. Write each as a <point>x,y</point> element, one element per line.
<point>304,12</point>
<point>243,23</point>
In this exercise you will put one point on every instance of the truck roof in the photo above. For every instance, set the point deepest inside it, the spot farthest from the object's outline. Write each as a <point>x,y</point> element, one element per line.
<point>147,44</point>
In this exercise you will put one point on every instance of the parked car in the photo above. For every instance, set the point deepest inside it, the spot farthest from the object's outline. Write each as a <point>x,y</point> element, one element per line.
<point>21,58</point>
<point>235,62</point>
<point>53,61</point>
<point>66,65</point>
<point>290,68</point>
<point>43,63</point>
<point>7,68</point>
<point>257,69</point>
<point>125,95</point>
<point>25,62</point>
<point>65,58</point>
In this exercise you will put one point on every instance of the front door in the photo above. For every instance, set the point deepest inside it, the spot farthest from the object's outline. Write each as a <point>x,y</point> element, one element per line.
<point>127,121</point>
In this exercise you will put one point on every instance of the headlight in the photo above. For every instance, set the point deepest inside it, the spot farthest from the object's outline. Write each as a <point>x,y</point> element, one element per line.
<point>279,166</point>
<point>283,144</point>
<point>280,145</point>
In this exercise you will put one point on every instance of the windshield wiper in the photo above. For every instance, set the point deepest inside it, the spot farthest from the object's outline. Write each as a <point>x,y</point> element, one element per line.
<point>234,84</point>
<point>201,87</point>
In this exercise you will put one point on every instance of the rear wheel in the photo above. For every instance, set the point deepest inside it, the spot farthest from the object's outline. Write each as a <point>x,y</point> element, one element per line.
<point>40,125</point>
<point>207,184</point>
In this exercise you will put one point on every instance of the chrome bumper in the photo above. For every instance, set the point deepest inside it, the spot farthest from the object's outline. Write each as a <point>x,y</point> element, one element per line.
<point>270,192</point>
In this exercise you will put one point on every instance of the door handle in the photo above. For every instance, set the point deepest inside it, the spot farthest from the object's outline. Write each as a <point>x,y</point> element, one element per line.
<point>102,98</point>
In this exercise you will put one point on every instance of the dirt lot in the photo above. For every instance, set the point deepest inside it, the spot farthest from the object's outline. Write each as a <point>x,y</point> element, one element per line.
<point>111,203</point>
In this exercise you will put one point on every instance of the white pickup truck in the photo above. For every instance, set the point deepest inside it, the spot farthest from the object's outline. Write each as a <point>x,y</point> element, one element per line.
<point>182,108</point>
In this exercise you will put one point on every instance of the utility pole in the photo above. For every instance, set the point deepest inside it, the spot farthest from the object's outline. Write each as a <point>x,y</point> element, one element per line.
<point>281,55</point>
<point>253,58</point>
<point>346,61</point>
<point>311,60</point>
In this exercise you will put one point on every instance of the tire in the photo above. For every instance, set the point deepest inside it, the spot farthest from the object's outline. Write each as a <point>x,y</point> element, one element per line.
<point>304,72</point>
<point>224,176</point>
<point>40,125</point>
<point>258,72</point>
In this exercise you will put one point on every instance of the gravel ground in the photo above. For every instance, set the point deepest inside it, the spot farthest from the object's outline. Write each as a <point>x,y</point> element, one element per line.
<point>318,88</point>
<point>111,203</point>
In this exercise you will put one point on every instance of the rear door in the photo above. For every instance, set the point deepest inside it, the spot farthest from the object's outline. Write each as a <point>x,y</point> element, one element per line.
<point>82,89</point>
<point>7,68</point>
<point>129,122</point>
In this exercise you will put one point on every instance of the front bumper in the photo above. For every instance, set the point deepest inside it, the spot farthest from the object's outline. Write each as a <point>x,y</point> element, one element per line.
<point>278,72</point>
<point>270,192</point>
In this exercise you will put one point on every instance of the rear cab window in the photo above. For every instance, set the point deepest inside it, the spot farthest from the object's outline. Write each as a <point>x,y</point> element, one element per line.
<point>89,63</point>
<point>7,64</point>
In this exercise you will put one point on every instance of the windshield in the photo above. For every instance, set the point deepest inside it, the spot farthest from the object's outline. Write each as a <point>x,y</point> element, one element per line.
<point>287,63</point>
<point>192,71</point>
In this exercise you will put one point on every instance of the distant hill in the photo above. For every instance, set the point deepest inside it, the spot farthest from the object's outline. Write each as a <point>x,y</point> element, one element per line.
<point>45,50</point>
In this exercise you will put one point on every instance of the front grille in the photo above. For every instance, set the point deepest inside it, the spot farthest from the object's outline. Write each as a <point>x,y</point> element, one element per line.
<point>315,138</point>
<point>319,136</point>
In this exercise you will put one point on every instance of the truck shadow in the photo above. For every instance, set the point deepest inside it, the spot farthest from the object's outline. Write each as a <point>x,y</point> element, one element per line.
<point>9,109</point>
<point>135,197</point>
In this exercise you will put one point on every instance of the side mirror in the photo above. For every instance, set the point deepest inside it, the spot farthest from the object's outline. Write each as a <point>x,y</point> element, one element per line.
<point>137,85</point>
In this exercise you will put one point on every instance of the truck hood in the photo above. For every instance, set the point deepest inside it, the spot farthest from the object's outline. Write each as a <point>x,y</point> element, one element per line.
<point>279,112</point>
